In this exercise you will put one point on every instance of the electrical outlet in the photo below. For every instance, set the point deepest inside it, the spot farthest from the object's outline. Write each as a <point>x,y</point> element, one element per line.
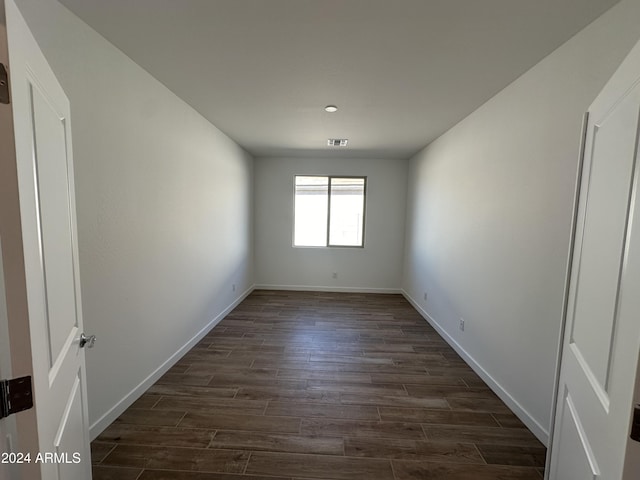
<point>233,287</point>
<point>425,296</point>
<point>462,324</point>
<point>334,275</point>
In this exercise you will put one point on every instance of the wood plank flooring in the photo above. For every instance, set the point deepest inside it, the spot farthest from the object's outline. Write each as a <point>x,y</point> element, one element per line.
<point>325,386</point>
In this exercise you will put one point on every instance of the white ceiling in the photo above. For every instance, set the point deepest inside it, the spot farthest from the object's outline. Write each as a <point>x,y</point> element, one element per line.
<point>401,71</point>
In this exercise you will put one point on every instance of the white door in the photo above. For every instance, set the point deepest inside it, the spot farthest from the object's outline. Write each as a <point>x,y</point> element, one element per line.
<point>602,336</point>
<point>47,208</point>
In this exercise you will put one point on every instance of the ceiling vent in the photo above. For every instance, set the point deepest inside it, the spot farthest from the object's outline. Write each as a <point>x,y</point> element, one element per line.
<point>337,142</point>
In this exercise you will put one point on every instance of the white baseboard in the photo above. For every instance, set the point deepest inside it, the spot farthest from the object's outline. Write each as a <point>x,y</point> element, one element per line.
<point>322,288</point>
<point>107,419</point>
<point>538,430</point>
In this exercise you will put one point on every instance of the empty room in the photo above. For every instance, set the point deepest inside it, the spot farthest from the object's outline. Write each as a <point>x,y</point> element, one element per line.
<point>319,239</point>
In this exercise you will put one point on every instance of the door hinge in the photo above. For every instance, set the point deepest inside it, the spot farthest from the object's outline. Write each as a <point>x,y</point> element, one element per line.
<point>15,396</point>
<point>4,85</point>
<point>635,424</point>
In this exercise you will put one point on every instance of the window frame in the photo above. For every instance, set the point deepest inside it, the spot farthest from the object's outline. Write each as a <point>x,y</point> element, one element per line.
<point>327,242</point>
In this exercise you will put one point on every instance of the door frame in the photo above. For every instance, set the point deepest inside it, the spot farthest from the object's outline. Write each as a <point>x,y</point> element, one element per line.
<point>8,431</point>
<point>15,286</point>
<point>567,285</point>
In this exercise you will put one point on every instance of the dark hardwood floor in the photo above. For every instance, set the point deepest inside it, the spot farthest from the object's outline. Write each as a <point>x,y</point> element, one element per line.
<point>299,385</point>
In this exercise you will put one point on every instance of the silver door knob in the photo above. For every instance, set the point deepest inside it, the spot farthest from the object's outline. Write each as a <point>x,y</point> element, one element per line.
<point>87,341</point>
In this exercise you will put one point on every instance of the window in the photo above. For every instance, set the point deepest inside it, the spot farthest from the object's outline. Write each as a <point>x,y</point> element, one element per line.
<point>329,211</point>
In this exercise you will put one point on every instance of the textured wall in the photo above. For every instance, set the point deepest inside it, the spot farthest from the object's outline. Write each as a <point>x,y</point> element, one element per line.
<point>164,208</point>
<point>489,214</point>
<point>377,266</point>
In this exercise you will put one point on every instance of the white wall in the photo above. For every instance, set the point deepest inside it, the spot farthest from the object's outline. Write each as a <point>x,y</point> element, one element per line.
<point>489,214</point>
<point>376,267</point>
<point>164,211</point>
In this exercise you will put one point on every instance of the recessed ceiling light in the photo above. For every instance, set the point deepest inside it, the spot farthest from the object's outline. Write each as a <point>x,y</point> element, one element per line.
<point>337,142</point>
<point>330,108</point>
